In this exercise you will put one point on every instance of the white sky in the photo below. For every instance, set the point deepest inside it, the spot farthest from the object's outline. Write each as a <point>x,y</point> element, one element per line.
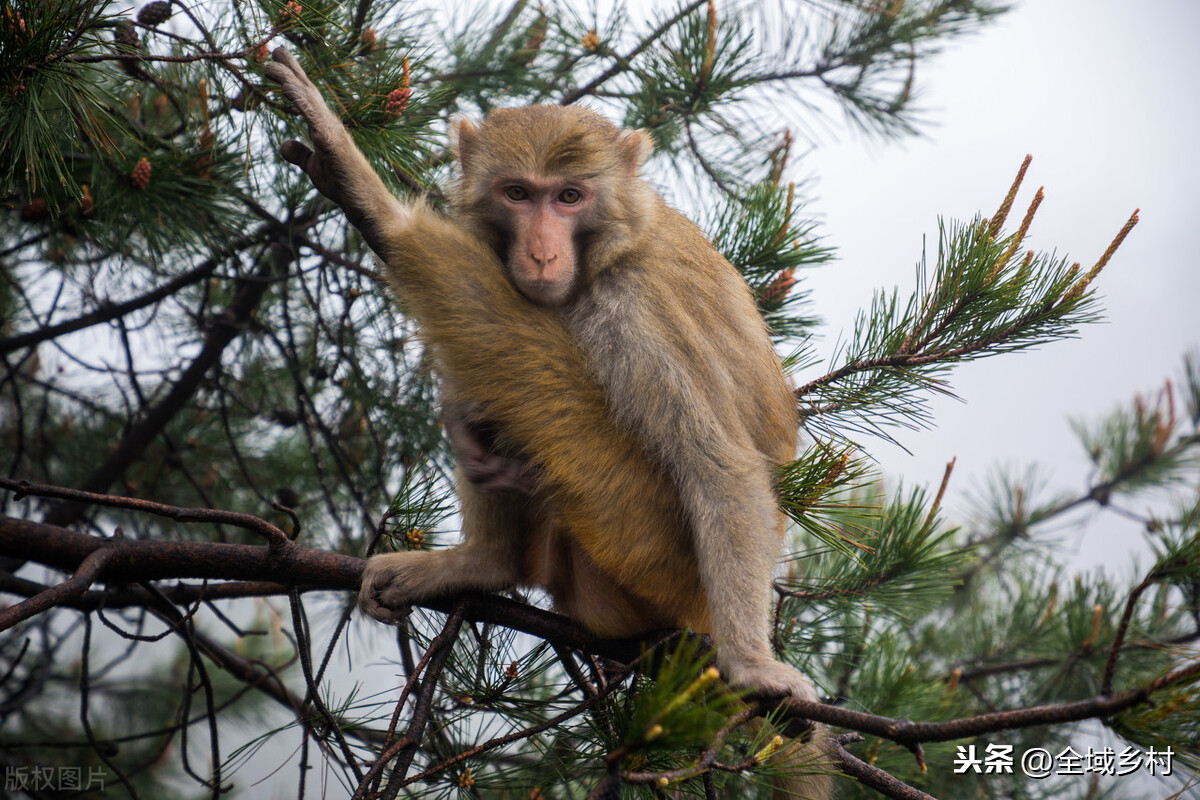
<point>1102,93</point>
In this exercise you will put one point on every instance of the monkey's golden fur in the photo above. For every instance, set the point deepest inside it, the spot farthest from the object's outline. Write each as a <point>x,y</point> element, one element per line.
<point>511,357</point>
<point>647,395</point>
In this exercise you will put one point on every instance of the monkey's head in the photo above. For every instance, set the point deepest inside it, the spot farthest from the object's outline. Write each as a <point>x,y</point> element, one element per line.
<point>557,189</point>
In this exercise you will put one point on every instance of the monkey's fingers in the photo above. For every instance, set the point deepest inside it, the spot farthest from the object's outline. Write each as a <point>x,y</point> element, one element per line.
<point>297,153</point>
<point>297,87</point>
<point>372,601</point>
<point>284,68</point>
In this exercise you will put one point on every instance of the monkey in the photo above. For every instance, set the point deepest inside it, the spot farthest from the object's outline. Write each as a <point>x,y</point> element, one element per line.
<point>607,379</point>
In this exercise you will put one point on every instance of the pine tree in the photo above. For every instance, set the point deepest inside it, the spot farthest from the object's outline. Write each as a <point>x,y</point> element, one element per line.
<point>200,373</point>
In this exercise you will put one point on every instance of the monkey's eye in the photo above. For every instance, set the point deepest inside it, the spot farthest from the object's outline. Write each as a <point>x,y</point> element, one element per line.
<point>570,196</point>
<point>516,193</point>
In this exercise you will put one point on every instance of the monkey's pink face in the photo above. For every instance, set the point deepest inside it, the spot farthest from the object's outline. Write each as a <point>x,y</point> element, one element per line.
<point>545,216</point>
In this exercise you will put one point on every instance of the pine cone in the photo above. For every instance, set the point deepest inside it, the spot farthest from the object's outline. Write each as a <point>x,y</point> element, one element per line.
<point>127,35</point>
<point>141,174</point>
<point>156,13</point>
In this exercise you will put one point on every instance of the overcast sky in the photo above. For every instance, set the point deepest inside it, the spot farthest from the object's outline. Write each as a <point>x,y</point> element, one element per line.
<point>1102,94</point>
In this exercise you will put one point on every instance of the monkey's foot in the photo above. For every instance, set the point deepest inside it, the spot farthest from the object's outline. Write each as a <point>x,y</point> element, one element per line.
<point>385,592</point>
<point>769,678</point>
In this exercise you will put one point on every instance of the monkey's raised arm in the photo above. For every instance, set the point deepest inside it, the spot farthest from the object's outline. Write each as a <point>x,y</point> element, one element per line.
<point>335,165</point>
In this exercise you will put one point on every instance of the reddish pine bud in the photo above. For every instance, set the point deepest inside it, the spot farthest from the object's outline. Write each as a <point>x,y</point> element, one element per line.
<point>396,103</point>
<point>777,289</point>
<point>370,42</point>
<point>87,204</point>
<point>291,11</point>
<point>591,42</point>
<point>141,174</point>
<point>15,22</point>
<point>397,100</point>
<point>260,53</point>
<point>535,35</point>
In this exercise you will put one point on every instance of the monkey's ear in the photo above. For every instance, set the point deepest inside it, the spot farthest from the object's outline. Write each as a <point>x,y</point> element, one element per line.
<point>636,146</point>
<point>464,140</point>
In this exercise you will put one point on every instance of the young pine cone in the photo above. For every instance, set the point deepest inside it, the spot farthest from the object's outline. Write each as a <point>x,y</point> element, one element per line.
<point>141,174</point>
<point>396,102</point>
<point>155,13</point>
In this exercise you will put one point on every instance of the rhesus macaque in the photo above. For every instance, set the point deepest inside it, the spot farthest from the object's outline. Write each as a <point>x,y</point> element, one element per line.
<point>610,386</point>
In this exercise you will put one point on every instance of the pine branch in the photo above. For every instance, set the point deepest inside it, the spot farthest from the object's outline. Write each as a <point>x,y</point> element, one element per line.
<point>983,300</point>
<point>872,776</point>
<point>1099,493</point>
<point>910,733</point>
<point>622,62</point>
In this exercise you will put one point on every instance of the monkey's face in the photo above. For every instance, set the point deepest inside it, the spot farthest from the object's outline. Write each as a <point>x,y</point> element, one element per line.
<point>543,218</point>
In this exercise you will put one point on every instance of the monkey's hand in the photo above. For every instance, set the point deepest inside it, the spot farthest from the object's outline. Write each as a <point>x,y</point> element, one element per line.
<point>766,677</point>
<point>323,125</point>
<point>474,445</point>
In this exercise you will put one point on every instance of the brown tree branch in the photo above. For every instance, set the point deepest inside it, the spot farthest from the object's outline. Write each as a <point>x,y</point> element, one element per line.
<point>117,597</point>
<point>134,561</point>
<point>908,732</point>
<point>869,775</point>
<point>622,62</point>
<point>108,311</point>
<point>77,584</point>
<point>298,566</point>
<point>275,537</point>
